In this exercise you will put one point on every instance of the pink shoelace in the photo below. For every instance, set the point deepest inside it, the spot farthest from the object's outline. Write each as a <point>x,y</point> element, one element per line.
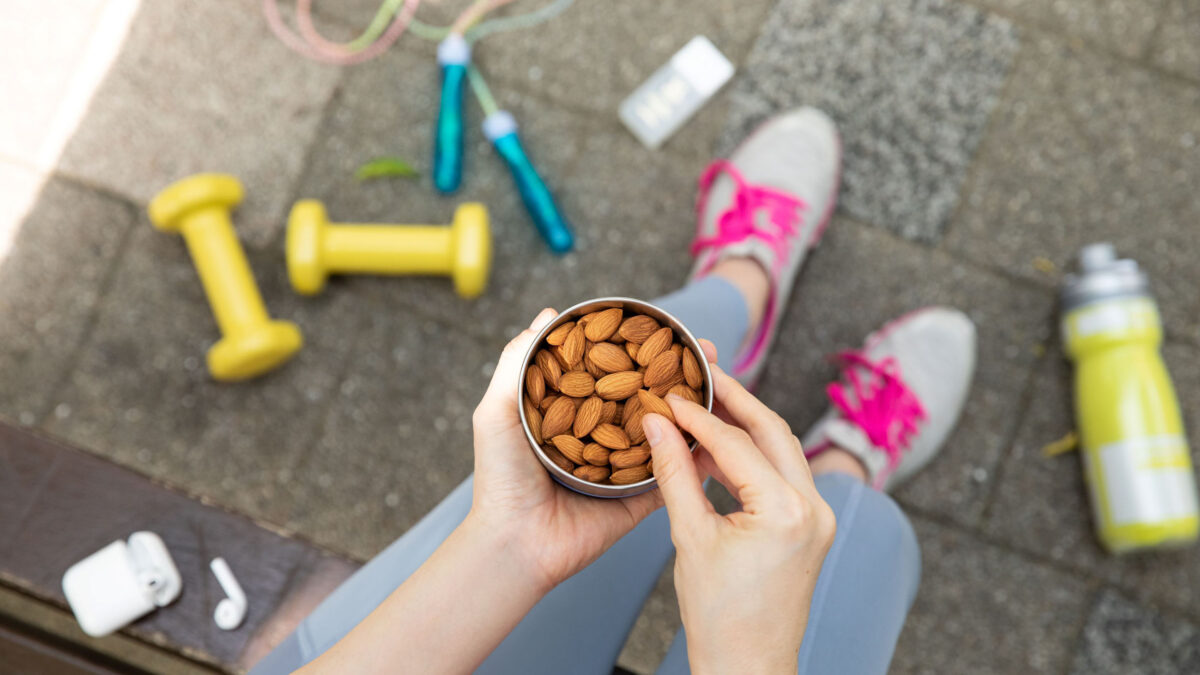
<point>738,221</point>
<point>883,407</point>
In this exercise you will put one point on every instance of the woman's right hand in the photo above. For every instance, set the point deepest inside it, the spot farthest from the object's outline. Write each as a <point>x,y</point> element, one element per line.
<point>745,581</point>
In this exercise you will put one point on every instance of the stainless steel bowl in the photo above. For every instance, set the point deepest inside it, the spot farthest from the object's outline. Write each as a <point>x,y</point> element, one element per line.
<point>631,306</point>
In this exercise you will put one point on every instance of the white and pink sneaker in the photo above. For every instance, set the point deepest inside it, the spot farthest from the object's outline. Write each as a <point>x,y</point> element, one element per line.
<point>770,201</point>
<point>900,395</point>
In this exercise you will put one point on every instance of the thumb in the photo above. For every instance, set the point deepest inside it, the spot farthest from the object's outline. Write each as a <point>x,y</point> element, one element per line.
<point>676,473</point>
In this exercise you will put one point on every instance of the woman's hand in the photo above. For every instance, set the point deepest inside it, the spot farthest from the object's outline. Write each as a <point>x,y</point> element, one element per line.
<point>745,581</point>
<point>556,531</point>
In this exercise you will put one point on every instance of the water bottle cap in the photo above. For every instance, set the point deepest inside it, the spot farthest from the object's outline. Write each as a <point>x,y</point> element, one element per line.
<point>1102,276</point>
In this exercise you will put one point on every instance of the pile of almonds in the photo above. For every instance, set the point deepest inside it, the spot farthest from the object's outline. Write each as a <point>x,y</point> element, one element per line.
<point>591,383</point>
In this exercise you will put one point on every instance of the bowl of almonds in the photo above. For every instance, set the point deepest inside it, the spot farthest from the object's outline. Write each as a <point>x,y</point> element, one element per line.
<point>589,378</point>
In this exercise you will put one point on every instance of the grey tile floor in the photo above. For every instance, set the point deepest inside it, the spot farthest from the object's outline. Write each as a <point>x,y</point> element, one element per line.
<point>985,141</point>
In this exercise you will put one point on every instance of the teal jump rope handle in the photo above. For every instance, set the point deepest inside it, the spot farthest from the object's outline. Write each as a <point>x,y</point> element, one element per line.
<point>454,55</point>
<point>501,129</point>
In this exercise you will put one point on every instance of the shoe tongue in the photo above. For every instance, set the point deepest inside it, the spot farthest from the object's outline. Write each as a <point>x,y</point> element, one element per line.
<point>852,439</point>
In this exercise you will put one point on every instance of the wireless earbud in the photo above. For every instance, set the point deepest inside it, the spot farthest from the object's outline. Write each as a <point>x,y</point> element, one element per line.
<point>231,610</point>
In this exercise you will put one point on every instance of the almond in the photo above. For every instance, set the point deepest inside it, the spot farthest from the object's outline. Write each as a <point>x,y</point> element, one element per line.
<point>660,390</point>
<point>594,474</point>
<point>534,418</point>
<point>631,420</point>
<point>610,358</point>
<point>608,413</point>
<point>603,324</point>
<point>596,454</point>
<point>557,457</point>
<point>634,474</point>
<point>577,384</point>
<point>549,367</point>
<point>661,369</point>
<point>631,348</point>
<point>638,328</point>
<point>619,385</point>
<point>654,345</point>
<point>592,369</point>
<point>652,404</point>
<point>687,393</point>
<point>588,416</point>
<point>559,334</point>
<point>535,384</point>
<point>623,459</point>
<point>557,353</point>
<point>610,436</point>
<point>547,402</point>
<point>650,467</point>
<point>558,417</point>
<point>691,370</point>
<point>570,447</point>
<point>678,349</point>
<point>572,347</point>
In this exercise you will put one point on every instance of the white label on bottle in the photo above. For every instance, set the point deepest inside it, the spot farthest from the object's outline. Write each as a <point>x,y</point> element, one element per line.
<point>1148,480</point>
<point>1113,316</point>
<point>675,92</point>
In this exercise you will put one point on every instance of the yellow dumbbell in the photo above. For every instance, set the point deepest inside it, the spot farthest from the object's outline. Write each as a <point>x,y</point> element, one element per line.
<point>317,248</point>
<point>252,344</point>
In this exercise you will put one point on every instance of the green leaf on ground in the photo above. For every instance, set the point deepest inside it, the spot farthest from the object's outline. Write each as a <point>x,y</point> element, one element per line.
<point>386,167</point>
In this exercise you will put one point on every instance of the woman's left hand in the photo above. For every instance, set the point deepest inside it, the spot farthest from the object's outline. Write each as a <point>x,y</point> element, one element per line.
<point>558,531</point>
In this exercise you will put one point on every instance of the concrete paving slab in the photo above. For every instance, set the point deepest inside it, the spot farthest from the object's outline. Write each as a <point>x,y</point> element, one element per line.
<point>141,394</point>
<point>982,609</point>
<point>1086,148</point>
<point>910,84</point>
<point>655,628</point>
<point>1041,504</point>
<point>226,96</point>
<point>859,279</point>
<point>389,107</point>
<point>398,437</point>
<point>596,53</point>
<point>634,219</point>
<point>1175,47</point>
<point>1124,637</point>
<point>1125,27</point>
<point>51,279</point>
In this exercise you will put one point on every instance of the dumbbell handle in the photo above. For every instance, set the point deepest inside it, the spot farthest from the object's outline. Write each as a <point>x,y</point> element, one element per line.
<point>383,249</point>
<point>224,270</point>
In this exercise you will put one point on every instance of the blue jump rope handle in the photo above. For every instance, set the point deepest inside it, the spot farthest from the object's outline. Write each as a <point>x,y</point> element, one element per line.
<point>550,222</point>
<point>448,143</point>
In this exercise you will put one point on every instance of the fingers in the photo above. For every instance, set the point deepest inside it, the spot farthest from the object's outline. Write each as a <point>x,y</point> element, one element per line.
<point>500,400</point>
<point>770,432</point>
<point>678,480</point>
<point>709,349</point>
<point>734,453</point>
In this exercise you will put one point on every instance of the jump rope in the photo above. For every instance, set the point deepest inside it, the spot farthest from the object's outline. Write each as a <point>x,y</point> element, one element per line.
<point>393,19</point>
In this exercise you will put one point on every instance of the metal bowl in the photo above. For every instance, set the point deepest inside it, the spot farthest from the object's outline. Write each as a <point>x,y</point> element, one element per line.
<point>573,313</point>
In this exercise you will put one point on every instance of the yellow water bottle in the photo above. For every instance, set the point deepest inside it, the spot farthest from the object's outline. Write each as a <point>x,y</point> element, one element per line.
<point>1135,453</point>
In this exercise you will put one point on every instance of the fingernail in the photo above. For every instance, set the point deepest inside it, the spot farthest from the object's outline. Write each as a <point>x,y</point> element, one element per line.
<point>674,397</point>
<point>652,430</point>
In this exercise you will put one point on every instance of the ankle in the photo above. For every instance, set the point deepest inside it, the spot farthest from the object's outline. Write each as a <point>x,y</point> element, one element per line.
<point>837,460</point>
<point>752,281</point>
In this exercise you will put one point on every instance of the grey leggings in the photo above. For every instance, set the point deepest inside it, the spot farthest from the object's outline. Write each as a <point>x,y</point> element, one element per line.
<point>863,595</point>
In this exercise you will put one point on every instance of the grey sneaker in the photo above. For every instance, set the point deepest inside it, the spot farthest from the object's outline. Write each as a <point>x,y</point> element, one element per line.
<point>770,201</point>
<point>900,396</point>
